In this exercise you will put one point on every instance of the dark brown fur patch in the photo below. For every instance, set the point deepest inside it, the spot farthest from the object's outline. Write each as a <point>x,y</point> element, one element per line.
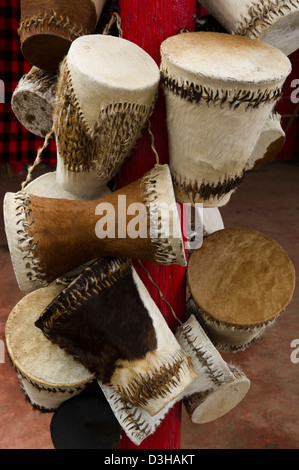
<point>100,318</point>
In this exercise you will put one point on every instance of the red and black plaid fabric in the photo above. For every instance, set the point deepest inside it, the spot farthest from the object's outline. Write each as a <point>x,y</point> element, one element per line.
<point>17,144</point>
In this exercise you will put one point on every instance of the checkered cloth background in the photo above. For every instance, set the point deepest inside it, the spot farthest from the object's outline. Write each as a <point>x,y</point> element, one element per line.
<point>17,145</point>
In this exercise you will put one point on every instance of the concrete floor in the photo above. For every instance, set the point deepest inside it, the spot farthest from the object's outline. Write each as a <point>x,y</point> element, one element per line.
<point>268,417</point>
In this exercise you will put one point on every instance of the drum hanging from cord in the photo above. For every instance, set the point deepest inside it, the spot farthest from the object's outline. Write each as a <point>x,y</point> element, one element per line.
<point>218,78</point>
<point>50,237</point>
<point>240,281</point>
<point>216,390</point>
<point>275,23</point>
<point>47,375</point>
<point>107,320</point>
<point>106,93</point>
<point>47,29</point>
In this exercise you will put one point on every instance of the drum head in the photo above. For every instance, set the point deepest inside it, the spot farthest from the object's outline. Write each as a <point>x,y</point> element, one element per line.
<point>220,401</point>
<point>241,277</point>
<point>35,357</point>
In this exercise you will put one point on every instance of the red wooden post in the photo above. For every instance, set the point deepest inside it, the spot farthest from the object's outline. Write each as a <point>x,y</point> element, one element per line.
<point>148,24</point>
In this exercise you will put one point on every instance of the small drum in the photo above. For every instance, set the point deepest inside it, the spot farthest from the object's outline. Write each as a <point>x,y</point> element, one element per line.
<point>219,387</point>
<point>33,101</point>
<point>47,29</point>
<point>273,22</point>
<point>240,281</point>
<point>48,376</point>
<point>269,144</point>
<point>50,237</point>
<point>106,93</point>
<point>220,90</point>
<point>107,320</point>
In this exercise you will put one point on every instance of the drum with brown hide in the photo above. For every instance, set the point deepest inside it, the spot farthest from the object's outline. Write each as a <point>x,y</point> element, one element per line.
<point>216,390</point>
<point>50,237</point>
<point>107,321</point>
<point>240,281</point>
<point>48,28</point>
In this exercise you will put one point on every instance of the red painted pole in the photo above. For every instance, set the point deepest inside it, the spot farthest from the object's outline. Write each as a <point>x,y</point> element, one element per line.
<point>148,24</point>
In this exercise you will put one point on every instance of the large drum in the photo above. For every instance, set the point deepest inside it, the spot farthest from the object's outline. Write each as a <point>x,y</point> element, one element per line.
<point>49,237</point>
<point>240,282</point>
<point>48,28</point>
<point>273,22</point>
<point>107,320</point>
<point>48,375</point>
<point>106,93</point>
<point>220,90</point>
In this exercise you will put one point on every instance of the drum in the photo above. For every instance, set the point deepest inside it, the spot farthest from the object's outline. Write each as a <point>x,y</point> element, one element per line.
<point>137,423</point>
<point>219,387</point>
<point>106,93</point>
<point>240,281</point>
<point>50,237</point>
<point>33,101</point>
<point>47,375</point>
<point>273,22</point>
<point>47,29</point>
<point>220,90</point>
<point>269,143</point>
<point>107,321</point>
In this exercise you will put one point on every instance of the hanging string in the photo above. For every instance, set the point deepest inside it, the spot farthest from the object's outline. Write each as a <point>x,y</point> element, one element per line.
<point>160,292</point>
<point>153,142</point>
<point>114,18</point>
<point>37,159</point>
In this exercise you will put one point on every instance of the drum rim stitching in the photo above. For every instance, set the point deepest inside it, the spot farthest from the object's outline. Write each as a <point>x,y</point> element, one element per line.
<point>40,20</point>
<point>130,422</point>
<point>262,15</point>
<point>47,81</point>
<point>192,189</point>
<point>65,88</point>
<point>165,252</point>
<point>195,93</point>
<point>214,372</point>
<point>126,412</point>
<point>149,388</point>
<point>26,244</point>
<point>50,321</point>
